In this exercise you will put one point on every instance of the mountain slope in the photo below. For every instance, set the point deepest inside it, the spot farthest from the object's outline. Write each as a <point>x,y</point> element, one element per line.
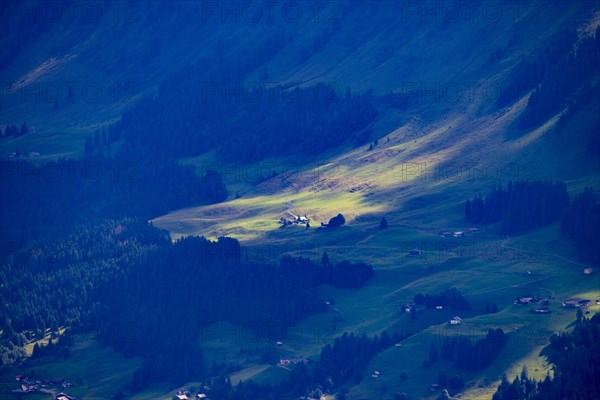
<point>439,136</point>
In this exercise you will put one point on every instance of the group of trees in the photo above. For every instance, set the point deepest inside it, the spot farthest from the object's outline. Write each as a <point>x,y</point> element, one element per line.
<point>342,362</point>
<point>59,347</point>
<point>450,298</point>
<point>55,196</point>
<point>122,278</point>
<point>342,274</point>
<point>101,140</point>
<point>451,381</point>
<point>565,74</point>
<point>576,359</point>
<point>213,285</point>
<point>336,221</point>
<point>473,356</point>
<point>207,107</point>
<point>56,280</point>
<point>280,120</point>
<point>587,95</point>
<point>14,131</point>
<point>581,223</point>
<point>520,207</point>
<point>557,77</point>
<point>531,70</point>
<point>523,206</point>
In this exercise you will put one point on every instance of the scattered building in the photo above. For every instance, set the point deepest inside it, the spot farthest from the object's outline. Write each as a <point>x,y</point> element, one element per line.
<point>541,310</point>
<point>458,234</point>
<point>279,344</point>
<point>398,345</point>
<point>293,361</point>
<point>576,302</point>
<point>408,307</point>
<point>201,396</point>
<point>295,219</point>
<point>415,252</point>
<point>526,300</point>
<point>63,396</point>
<point>456,321</point>
<point>375,374</point>
<point>439,307</point>
<point>587,271</point>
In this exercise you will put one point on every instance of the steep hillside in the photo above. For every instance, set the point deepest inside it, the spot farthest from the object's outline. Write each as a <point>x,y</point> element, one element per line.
<point>402,110</point>
<point>87,63</point>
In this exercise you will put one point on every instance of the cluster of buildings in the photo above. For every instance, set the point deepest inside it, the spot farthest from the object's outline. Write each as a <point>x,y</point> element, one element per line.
<point>63,396</point>
<point>294,220</point>
<point>284,362</point>
<point>543,302</point>
<point>576,302</point>
<point>29,385</point>
<point>185,394</point>
<point>15,154</point>
<point>459,234</point>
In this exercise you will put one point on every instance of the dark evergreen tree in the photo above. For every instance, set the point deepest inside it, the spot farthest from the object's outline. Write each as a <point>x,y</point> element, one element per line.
<point>383,224</point>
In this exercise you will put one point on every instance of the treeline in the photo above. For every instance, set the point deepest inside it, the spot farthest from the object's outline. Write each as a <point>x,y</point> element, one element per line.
<point>449,298</point>
<point>100,141</point>
<point>56,281</point>
<point>196,282</point>
<point>342,362</point>
<point>451,381</point>
<point>14,131</point>
<point>148,297</point>
<point>222,115</point>
<point>587,95</point>
<point>47,199</point>
<point>530,71</point>
<point>20,27</point>
<point>557,77</point>
<point>523,206</point>
<point>581,223</point>
<point>520,207</point>
<point>568,72</point>
<point>206,106</point>
<point>58,347</point>
<point>576,359</point>
<point>343,274</point>
<point>348,357</point>
<point>473,356</point>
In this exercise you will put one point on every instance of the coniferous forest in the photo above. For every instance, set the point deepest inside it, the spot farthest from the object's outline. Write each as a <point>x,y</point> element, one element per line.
<point>126,268</point>
<point>299,200</point>
<point>473,356</point>
<point>581,223</point>
<point>523,206</point>
<point>575,356</point>
<point>520,206</point>
<point>450,298</point>
<point>281,121</point>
